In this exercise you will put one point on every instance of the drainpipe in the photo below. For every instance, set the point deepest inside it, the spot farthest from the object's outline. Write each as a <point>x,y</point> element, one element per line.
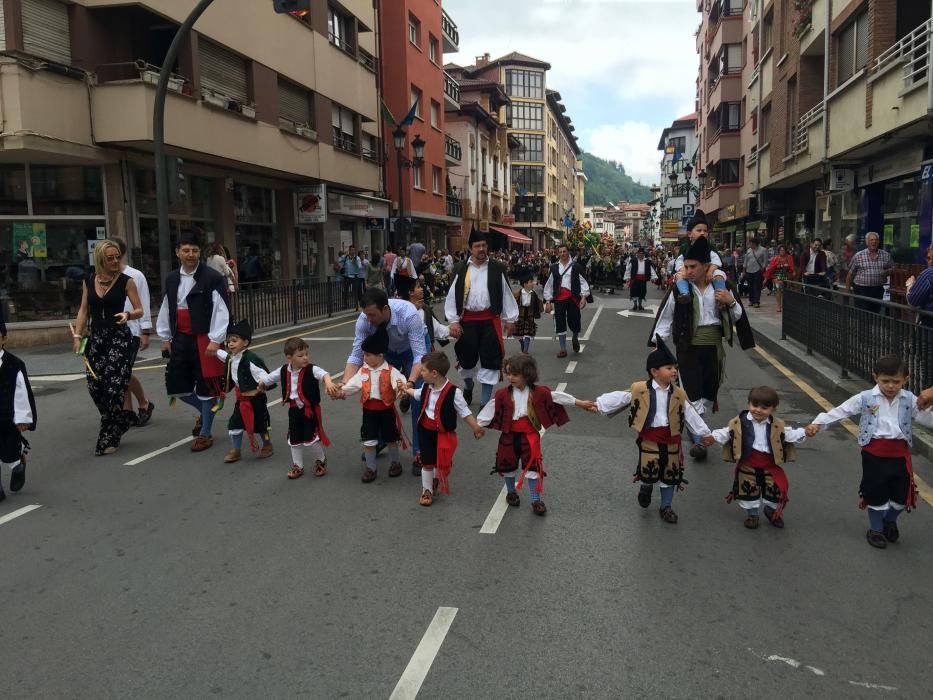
<point>761,79</point>
<point>929,65</point>
<point>826,48</point>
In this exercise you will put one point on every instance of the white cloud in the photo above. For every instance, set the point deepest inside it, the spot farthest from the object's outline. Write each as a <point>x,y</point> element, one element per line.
<point>631,143</point>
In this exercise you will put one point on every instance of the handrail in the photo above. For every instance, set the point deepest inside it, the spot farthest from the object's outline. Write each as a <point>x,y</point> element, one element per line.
<point>812,115</point>
<point>905,46</point>
<point>451,88</point>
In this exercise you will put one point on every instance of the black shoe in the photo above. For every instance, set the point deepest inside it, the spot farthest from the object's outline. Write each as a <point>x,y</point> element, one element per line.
<point>2,494</point>
<point>132,420</point>
<point>416,466</point>
<point>891,533</point>
<point>776,521</point>
<point>698,452</point>
<point>404,404</point>
<point>644,495</point>
<point>575,343</point>
<point>468,395</point>
<point>18,479</point>
<point>876,539</point>
<point>512,499</point>
<point>145,414</point>
<point>634,307</point>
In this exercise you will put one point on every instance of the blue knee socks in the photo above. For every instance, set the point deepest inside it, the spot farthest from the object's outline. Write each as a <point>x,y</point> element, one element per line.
<point>563,341</point>
<point>236,439</point>
<point>192,401</point>
<point>370,457</point>
<point>890,515</point>
<point>876,519</point>
<point>485,394</point>
<point>532,490</point>
<point>393,452</point>
<point>667,497</point>
<point>207,417</point>
<point>510,484</point>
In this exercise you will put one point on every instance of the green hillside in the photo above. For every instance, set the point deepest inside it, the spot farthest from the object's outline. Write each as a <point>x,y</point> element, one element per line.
<point>608,182</point>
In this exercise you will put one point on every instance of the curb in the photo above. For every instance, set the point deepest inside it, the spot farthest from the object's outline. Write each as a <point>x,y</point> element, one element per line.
<point>822,373</point>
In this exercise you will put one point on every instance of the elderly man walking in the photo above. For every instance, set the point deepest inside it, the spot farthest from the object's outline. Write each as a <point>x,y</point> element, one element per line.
<point>868,271</point>
<point>755,264</point>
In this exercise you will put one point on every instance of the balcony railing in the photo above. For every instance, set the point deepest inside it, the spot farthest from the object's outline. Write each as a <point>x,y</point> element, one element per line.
<point>136,71</point>
<point>449,29</point>
<point>913,51</point>
<point>799,139</point>
<point>454,206</point>
<point>812,116</point>
<point>367,60</point>
<point>451,88</point>
<point>346,143</point>
<point>452,148</point>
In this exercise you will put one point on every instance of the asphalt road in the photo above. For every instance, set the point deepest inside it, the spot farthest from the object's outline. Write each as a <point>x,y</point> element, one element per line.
<point>183,577</point>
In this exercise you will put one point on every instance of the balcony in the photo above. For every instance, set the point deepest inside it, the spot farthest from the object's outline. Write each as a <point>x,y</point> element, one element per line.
<point>454,207</point>
<point>912,53</point>
<point>451,35</point>
<point>453,152</point>
<point>451,92</point>
<point>806,152</point>
<point>726,87</point>
<point>812,38</point>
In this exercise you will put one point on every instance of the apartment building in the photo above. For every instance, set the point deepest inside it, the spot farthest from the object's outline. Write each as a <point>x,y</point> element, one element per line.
<point>273,117</point>
<point>814,120</point>
<point>596,217</point>
<point>414,36</point>
<point>546,177</point>
<point>678,146</point>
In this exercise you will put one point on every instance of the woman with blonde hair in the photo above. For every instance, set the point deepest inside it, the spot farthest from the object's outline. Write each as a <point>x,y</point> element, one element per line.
<point>109,350</point>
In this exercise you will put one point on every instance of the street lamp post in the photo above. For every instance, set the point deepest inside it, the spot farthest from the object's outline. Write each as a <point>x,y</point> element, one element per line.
<point>399,136</point>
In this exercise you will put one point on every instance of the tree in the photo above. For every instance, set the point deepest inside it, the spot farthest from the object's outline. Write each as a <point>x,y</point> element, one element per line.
<point>607,182</point>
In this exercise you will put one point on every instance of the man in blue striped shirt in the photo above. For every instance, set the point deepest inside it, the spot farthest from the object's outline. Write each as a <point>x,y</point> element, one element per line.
<point>920,290</point>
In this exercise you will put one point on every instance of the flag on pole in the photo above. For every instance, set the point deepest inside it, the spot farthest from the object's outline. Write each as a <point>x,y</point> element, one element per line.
<point>387,115</point>
<point>410,117</point>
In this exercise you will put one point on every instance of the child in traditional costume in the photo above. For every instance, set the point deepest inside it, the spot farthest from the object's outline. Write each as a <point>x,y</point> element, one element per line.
<point>520,411</point>
<point>245,372</point>
<point>757,441</point>
<point>18,411</point>
<point>529,310</point>
<point>301,392</point>
<point>887,413</point>
<point>379,384</point>
<point>660,411</point>
<point>441,403</point>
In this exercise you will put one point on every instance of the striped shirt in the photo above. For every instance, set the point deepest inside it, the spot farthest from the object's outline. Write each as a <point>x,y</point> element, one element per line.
<point>921,292</point>
<point>406,332</point>
<point>867,272</point>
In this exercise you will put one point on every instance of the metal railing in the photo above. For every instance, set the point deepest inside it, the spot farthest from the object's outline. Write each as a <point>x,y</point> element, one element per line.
<point>812,115</point>
<point>913,50</point>
<point>453,148</point>
<point>853,331</point>
<point>449,28</point>
<point>451,88</point>
<point>290,302</point>
<point>799,139</point>
<point>138,71</point>
<point>454,207</point>
<point>367,60</point>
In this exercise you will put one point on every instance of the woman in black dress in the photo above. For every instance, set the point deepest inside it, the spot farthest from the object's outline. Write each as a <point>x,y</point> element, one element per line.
<point>109,350</point>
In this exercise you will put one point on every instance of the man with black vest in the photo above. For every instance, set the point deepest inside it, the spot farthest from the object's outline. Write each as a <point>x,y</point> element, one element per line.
<point>193,324</point>
<point>572,293</point>
<point>637,273</point>
<point>478,301</point>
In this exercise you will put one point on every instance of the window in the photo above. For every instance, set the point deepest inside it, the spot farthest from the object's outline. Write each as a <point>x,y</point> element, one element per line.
<point>532,147</point>
<point>435,114</point>
<point>294,104</point>
<point>729,116</point>
<point>765,125</point>
<point>436,179</point>
<point>528,178</point>
<point>415,99</point>
<point>433,51</point>
<point>524,83</point>
<point>525,115</point>
<point>791,114</point>
<point>222,72</point>
<point>414,30</point>
<point>46,32</point>
<point>728,172</point>
<point>852,48</point>
<point>416,177</point>
<point>13,189</point>
<point>679,144</point>
<point>368,147</point>
<point>766,33</point>
<point>730,59</point>
<point>339,29</point>
<point>343,122</point>
<point>61,190</point>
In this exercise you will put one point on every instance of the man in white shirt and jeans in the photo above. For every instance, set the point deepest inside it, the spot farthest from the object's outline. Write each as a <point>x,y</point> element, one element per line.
<point>141,329</point>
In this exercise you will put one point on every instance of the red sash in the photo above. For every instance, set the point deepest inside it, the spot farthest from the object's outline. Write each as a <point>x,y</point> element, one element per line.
<point>245,407</point>
<point>308,408</point>
<point>487,315</point>
<point>891,449</point>
<point>563,294</point>
<point>641,278</point>
<point>446,441</point>
<point>212,369</point>
<point>661,435</point>
<point>523,425</point>
<point>763,460</point>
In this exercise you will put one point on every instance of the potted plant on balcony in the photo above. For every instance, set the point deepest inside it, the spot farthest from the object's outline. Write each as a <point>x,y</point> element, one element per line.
<point>803,17</point>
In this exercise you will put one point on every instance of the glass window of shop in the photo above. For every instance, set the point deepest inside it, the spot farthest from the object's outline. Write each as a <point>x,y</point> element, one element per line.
<point>257,238</point>
<point>900,234</point>
<point>308,246</point>
<point>48,217</point>
<point>194,211</point>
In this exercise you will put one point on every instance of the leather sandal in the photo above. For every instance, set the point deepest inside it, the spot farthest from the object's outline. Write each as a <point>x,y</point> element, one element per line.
<point>320,468</point>
<point>196,430</point>
<point>668,515</point>
<point>266,451</point>
<point>296,472</point>
<point>751,522</point>
<point>778,521</point>
<point>202,443</point>
<point>427,498</point>
<point>538,508</point>
<point>18,480</point>
<point>876,539</point>
<point>890,531</point>
<point>395,469</point>
<point>145,414</point>
<point>512,499</point>
<point>368,477</point>
<point>232,456</point>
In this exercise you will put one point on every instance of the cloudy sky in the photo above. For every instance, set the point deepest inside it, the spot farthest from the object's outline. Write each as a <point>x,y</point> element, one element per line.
<point>625,68</point>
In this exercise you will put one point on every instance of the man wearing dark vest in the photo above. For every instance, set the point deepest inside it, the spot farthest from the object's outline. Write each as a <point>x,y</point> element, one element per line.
<point>478,301</point>
<point>193,324</point>
<point>637,273</point>
<point>698,322</point>
<point>568,291</point>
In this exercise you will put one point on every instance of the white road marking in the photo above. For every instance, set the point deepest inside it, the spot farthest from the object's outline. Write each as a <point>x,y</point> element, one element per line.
<point>872,686</point>
<point>56,378</point>
<point>417,670</point>
<point>571,366</point>
<point>790,662</point>
<point>495,515</point>
<point>589,328</point>
<point>561,387</point>
<point>16,513</point>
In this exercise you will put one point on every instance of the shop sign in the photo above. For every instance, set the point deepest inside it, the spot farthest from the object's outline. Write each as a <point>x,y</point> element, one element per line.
<point>311,204</point>
<point>926,173</point>
<point>841,179</point>
<point>727,213</point>
<point>29,240</point>
<point>375,224</point>
<point>350,205</point>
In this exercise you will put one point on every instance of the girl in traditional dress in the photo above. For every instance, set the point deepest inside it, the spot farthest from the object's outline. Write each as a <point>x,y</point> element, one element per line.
<point>779,269</point>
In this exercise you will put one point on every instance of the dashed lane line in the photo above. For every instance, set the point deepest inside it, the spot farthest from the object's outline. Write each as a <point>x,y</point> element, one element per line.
<point>592,324</point>
<point>417,670</point>
<point>17,513</point>
<point>494,519</point>
<point>924,489</point>
<point>571,366</point>
<point>561,387</point>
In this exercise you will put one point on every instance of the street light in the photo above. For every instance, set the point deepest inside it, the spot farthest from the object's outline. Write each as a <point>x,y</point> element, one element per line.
<point>398,137</point>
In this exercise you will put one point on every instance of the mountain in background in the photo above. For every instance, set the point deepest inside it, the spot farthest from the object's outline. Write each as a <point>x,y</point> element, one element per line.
<point>608,182</point>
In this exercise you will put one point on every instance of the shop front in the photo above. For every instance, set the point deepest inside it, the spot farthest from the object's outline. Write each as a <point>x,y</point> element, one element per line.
<point>259,255</point>
<point>353,219</point>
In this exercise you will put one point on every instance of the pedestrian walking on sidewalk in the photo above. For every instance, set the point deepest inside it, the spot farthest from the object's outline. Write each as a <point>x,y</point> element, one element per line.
<point>869,269</point>
<point>780,269</point>
<point>813,267</point>
<point>755,262</point>
<point>920,290</point>
<point>110,349</point>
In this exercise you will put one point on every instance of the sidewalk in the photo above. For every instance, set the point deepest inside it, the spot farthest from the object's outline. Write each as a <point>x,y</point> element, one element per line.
<point>816,369</point>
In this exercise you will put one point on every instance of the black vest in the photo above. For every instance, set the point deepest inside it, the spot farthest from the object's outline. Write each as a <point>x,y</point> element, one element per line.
<point>200,299</point>
<point>494,273</point>
<point>10,367</point>
<point>429,324</point>
<point>558,281</point>
<point>309,385</point>
<point>447,411</point>
<point>648,267</point>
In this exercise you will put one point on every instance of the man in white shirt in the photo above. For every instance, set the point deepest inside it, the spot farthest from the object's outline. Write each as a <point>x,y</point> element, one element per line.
<point>638,272</point>
<point>141,329</point>
<point>569,299</point>
<point>478,301</point>
<point>21,405</point>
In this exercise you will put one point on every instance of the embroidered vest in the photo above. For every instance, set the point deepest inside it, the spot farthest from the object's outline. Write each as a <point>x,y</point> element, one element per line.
<point>743,438</point>
<point>542,411</point>
<point>644,405</point>
<point>494,273</point>
<point>308,390</point>
<point>444,408</point>
<point>386,392</point>
<point>869,418</point>
<point>244,378</point>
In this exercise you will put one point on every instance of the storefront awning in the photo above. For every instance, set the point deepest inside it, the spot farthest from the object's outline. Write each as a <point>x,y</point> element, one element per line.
<point>512,234</point>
